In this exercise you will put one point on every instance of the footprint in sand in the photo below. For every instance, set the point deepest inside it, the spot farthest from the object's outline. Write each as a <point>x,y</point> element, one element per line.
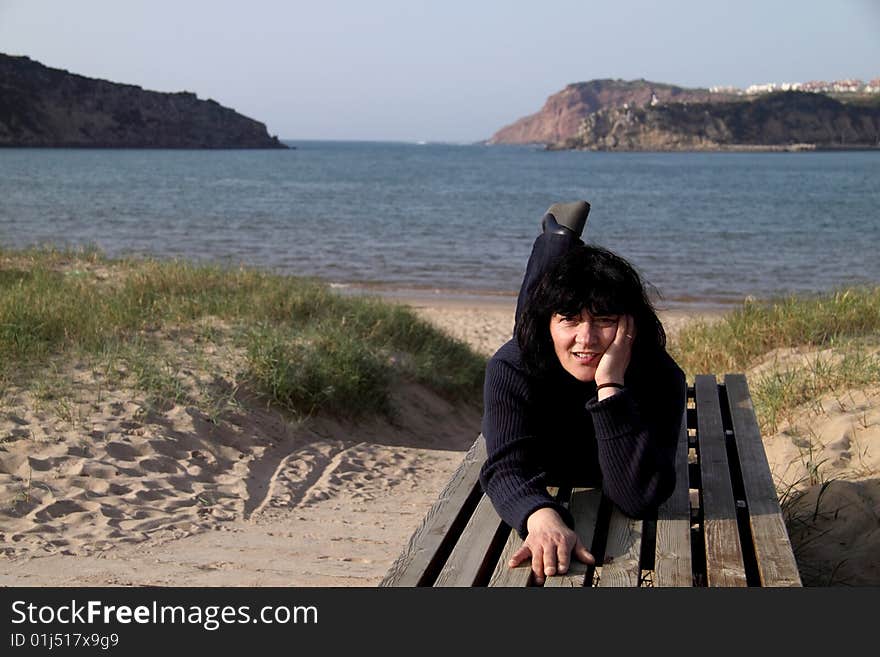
<point>152,495</point>
<point>58,510</point>
<point>158,464</point>
<point>99,470</point>
<point>112,512</point>
<point>13,464</point>
<point>122,451</point>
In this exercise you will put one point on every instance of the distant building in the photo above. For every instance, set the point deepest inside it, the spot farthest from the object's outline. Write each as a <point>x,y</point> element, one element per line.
<point>816,86</point>
<point>725,90</point>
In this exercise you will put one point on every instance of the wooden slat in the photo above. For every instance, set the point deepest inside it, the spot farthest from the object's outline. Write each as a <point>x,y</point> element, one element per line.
<point>623,549</point>
<point>504,575</point>
<point>584,508</point>
<point>776,563</point>
<point>672,563</point>
<point>424,544</point>
<point>724,561</point>
<point>468,559</point>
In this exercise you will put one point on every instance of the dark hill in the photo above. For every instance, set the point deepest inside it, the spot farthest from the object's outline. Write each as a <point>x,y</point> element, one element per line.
<point>41,106</point>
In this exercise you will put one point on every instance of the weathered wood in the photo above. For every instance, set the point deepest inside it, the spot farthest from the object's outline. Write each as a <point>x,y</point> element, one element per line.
<point>424,545</point>
<point>468,559</point>
<point>724,560</point>
<point>623,549</point>
<point>672,561</point>
<point>584,508</point>
<point>773,553</point>
<point>504,575</point>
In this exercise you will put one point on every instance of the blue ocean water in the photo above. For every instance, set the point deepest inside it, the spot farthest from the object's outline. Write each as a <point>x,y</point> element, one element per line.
<point>703,228</point>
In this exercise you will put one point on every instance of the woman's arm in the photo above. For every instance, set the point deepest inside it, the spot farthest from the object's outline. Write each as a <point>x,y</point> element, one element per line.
<point>512,476</point>
<point>514,480</point>
<point>637,431</point>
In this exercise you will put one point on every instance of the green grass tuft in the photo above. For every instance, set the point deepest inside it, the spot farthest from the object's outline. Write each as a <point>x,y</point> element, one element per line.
<point>309,349</point>
<point>845,324</point>
<point>736,342</point>
<point>330,372</point>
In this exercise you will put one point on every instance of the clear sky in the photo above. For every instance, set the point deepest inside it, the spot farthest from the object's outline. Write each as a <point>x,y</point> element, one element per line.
<point>446,70</point>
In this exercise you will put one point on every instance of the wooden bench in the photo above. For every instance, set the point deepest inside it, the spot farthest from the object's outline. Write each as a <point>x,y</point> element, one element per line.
<point>722,526</point>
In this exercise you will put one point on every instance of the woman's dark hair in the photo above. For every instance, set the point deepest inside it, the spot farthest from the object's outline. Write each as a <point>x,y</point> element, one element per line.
<point>591,278</point>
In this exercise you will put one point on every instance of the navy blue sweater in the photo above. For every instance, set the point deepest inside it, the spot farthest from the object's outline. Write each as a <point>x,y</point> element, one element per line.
<point>554,431</point>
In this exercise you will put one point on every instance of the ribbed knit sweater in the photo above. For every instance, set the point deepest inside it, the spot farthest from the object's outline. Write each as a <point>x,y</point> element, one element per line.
<point>554,431</point>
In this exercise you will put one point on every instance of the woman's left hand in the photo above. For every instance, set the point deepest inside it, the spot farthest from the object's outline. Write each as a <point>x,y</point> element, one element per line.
<point>612,366</point>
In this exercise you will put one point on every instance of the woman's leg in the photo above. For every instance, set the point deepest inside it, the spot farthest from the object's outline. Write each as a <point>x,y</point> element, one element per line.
<point>555,240</point>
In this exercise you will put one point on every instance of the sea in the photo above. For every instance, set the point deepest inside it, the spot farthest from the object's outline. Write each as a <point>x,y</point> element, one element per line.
<point>458,220</point>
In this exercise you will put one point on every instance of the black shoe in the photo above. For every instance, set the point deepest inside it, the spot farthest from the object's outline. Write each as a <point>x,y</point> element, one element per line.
<point>565,218</point>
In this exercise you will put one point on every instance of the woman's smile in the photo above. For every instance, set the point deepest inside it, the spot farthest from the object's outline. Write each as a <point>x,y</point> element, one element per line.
<point>587,357</point>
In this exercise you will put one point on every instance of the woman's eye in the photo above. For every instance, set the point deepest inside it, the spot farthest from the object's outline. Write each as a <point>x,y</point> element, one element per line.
<point>606,322</point>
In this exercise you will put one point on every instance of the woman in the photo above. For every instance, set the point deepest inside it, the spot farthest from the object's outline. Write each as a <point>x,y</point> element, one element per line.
<point>584,393</point>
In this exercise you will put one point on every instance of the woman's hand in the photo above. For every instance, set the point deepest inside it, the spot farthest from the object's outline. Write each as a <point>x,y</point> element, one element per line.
<point>550,544</point>
<point>612,366</point>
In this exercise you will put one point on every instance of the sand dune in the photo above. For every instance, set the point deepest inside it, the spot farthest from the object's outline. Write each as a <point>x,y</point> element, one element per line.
<point>105,490</point>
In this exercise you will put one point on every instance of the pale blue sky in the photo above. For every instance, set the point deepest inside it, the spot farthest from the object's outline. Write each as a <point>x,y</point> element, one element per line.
<point>445,70</point>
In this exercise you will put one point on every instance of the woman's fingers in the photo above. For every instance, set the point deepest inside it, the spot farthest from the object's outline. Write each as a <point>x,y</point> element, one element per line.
<point>549,542</point>
<point>626,330</point>
<point>622,329</point>
<point>556,559</point>
<point>550,561</point>
<point>563,556</point>
<point>519,556</point>
<point>538,563</point>
<point>539,567</point>
<point>583,554</point>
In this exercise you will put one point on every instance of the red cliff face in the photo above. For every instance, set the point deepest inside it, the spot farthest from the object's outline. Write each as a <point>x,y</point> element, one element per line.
<point>563,112</point>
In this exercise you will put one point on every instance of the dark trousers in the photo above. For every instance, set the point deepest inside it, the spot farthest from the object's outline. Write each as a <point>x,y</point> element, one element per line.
<point>548,247</point>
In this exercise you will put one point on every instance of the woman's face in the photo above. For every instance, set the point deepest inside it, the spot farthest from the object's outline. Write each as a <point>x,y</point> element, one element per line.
<point>581,340</point>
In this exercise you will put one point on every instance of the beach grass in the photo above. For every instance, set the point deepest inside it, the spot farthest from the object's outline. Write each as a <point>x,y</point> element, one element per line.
<point>308,349</point>
<point>839,332</point>
<point>758,327</point>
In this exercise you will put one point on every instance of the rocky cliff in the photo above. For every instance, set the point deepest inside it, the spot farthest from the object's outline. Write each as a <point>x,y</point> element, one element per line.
<point>41,106</point>
<point>562,114</point>
<point>783,120</point>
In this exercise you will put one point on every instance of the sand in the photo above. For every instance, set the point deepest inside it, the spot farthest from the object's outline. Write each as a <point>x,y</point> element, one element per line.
<point>101,489</point>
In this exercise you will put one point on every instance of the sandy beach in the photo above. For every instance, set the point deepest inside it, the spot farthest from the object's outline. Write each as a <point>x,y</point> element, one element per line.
<point>102,493</point>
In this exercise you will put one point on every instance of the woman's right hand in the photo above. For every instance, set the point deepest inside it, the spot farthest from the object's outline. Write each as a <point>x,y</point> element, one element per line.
<point>550,543</point>
<point>614,362</point>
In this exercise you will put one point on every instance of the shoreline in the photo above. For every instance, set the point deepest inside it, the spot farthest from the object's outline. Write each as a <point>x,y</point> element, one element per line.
<point>492,299</point>
<point>484,320</point>
<point>485,324</point>
<point>421,295</point>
